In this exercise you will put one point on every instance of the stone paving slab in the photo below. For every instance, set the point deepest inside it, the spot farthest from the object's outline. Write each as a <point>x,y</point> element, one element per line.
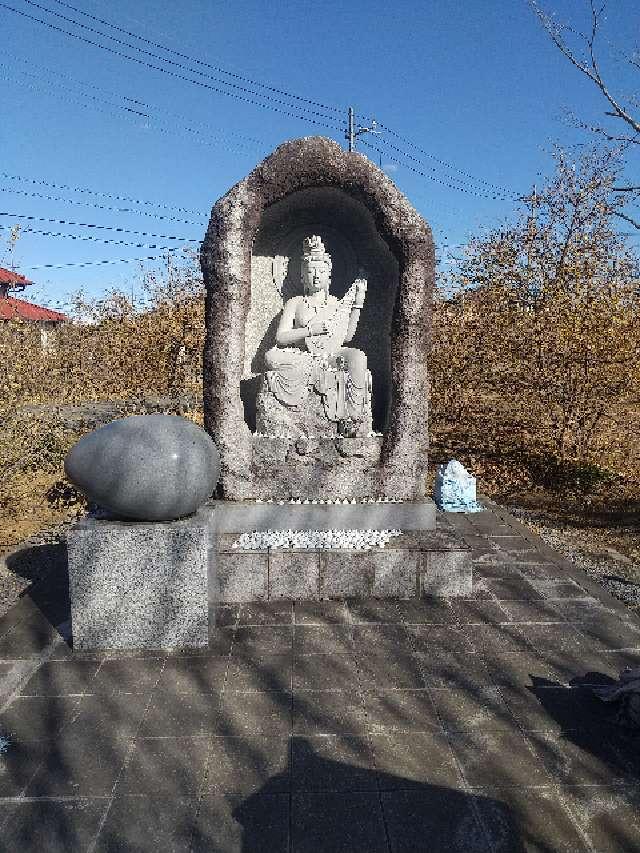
<point>360,726</point>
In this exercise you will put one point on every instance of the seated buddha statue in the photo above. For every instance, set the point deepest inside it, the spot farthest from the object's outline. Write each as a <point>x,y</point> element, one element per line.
<point>310,353</point>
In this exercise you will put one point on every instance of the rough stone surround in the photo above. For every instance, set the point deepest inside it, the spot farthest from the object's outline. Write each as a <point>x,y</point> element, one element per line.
<point>226,258</point>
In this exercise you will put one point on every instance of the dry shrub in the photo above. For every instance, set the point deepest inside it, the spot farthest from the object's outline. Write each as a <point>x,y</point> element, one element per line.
<point>140,358</point>
<point>536,357</point>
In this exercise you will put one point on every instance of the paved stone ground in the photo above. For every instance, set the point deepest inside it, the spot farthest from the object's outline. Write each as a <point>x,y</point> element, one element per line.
<point>337,726</point>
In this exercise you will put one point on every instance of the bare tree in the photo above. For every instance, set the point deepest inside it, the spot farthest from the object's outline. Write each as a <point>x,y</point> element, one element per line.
<point>587,63</point>
<point>540,346</point>
<point>620,108</point>
<point>8,250</point>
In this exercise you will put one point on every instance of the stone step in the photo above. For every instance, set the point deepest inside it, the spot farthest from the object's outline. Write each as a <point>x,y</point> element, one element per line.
<point>414,564</point>
<point>246,516</point>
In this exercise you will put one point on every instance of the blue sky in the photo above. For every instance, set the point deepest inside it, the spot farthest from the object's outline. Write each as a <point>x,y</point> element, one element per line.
<point>474,84</point>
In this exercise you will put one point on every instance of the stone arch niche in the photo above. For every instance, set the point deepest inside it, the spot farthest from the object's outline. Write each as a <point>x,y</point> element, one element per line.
<point>250,259</point>
<point>349,235</point>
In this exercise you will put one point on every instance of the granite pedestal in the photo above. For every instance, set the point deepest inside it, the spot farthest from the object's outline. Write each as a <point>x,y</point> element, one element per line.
<point>422,561</point>
<point>139,585</point>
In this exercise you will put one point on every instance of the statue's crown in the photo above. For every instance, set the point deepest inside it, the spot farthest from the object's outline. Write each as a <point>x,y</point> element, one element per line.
<point>313,249</point>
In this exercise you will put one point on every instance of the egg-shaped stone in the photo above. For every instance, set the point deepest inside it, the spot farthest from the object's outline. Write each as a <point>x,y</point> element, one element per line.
<point>146,467</point>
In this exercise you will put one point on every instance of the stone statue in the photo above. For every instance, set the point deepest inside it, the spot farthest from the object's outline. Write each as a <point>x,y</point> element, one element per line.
<point>310,365</point>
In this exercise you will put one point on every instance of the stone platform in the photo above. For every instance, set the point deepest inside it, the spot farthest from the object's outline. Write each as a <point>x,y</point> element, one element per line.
<point>137,585</point>
<point>453,726</point>
<point>412,565</point>
<point>422,561</point>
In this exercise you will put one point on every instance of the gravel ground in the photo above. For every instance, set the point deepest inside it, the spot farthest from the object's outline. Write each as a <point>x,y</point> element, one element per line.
<point>606,568</point>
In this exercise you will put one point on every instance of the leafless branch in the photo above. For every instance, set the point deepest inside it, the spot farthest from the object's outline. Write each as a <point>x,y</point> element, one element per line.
<point>591,68</point>
<point>627,218</point>
<point>601,131</point>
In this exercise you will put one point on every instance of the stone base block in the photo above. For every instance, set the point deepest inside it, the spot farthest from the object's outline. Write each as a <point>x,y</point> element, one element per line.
<point>246,516</point>
<point>435,563</point>
<point>337,468</point>
<point>382,573</point>
<point>139,585</point>
<point>295,575</point>
<point>242,576</point>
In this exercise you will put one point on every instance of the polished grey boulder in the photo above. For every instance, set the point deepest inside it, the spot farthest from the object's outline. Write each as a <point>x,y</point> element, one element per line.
<point>146,467</point>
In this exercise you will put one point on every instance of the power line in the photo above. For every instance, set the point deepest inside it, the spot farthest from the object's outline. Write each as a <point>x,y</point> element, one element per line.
<point>172,208</point>
<point>32,194</point>
<point>162,58</point>
<point>489,194</point>
<point>200,62</point>
<point>499,190</point>
<point>170,73</point>
<point>48,72</point>
<point>116,228</point>
<point>205,139</point>
<point>433,170</point>
<point>463,189</point>
<point>494,196</point>
<point>126,107</point>
<point>100,263</point>
<point>494,192</point>
<point>442,162</point>
<point>39,181</point>
<point>82,237</point>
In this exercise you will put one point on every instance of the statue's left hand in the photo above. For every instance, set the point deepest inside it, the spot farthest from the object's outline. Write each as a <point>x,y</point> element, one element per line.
<point>361,290</point>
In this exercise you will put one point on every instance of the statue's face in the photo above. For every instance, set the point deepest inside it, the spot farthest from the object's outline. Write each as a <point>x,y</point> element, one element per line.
<point>315,275</point>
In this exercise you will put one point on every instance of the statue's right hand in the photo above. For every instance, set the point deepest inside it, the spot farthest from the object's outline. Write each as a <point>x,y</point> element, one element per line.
<point>361,289</point>
<point>319,327</point>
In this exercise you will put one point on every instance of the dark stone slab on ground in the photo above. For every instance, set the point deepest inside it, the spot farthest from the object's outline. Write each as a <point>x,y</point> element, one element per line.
<point>324,726</point>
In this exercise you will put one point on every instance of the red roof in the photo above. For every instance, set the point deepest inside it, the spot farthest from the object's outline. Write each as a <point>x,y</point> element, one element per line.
<point>8,277</point>
<point>12,308</point>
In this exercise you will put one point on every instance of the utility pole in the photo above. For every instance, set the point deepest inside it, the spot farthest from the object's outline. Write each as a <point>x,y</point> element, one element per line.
<point>353,132</point>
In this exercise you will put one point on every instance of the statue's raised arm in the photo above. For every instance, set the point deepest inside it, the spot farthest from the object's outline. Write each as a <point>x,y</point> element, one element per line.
<point>360,288</point>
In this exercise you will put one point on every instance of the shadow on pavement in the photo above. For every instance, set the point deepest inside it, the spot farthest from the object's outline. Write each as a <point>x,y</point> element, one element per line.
<point>46,567</point>
<point>607,753</point>
<point>342,806</point>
